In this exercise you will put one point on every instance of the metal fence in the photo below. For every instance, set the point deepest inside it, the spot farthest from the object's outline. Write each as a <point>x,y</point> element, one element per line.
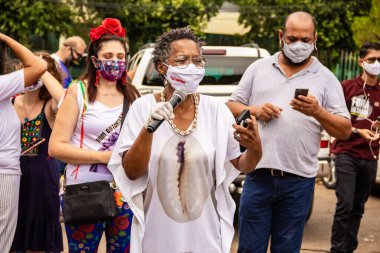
<point>348,66</point>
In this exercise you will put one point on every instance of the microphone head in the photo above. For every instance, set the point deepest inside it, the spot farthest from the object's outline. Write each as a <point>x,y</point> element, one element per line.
<point>180,93</point>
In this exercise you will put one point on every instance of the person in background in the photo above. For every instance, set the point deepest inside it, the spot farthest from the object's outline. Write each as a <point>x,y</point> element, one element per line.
<point>69,53</point>
<point>276,197</point>
<point>356,158</point>
<point>184,168</point>
<point>38,226</point>
<point>96,100</point>
<point>10,150</point>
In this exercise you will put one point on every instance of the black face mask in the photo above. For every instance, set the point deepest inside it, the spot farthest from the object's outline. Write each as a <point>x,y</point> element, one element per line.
<point>75,62</point>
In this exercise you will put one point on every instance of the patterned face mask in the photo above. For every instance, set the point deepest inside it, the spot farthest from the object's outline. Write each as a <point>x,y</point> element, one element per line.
<point>111,70</point>
<point>298,51</point>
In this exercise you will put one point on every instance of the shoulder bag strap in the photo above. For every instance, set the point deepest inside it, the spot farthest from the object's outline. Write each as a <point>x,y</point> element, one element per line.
<point>125,111</point>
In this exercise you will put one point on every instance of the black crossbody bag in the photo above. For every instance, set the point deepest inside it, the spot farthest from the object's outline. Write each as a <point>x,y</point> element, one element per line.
<point>92,202</point>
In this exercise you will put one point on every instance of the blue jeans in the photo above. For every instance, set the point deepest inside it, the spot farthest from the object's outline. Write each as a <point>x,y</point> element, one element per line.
<point>354,177</point>
<point>276,207</point>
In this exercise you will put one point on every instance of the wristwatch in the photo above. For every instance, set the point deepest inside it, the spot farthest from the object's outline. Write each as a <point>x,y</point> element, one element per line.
<point>355,130</point>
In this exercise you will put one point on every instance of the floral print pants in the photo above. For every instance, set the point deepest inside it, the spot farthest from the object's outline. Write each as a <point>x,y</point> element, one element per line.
<point>86,238</point>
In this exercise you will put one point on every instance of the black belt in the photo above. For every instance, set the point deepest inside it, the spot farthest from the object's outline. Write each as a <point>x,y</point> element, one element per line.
<point>273,172</point>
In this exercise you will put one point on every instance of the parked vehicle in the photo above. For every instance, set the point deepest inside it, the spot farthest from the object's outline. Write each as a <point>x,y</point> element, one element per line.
<point>328,171</point>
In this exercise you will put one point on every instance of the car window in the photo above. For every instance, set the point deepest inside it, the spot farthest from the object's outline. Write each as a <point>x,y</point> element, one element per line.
<point>134,61</point>
<point>219,70</point>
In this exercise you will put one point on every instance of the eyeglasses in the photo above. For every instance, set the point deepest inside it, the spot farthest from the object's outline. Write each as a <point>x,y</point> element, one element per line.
<point>372,59</point>
<point>183,61</point>
<point>79,55</point>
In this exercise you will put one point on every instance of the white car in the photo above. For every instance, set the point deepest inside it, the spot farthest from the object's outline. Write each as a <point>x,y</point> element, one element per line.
<point>327,163</point>
<point>225,66</point>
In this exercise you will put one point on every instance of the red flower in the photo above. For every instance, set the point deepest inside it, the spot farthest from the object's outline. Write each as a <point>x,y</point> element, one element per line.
<point>96,33</point>
<point>121,222</point>
<point>112,230</point>
<point>87,228</point>
<point>78,235</point>
<point>108,26</point>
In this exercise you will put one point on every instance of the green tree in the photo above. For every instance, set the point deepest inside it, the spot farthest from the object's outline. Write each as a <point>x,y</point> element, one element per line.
<point>334,19</point>
<point>23,18</point>
<point>367,28</point>
<point>146,19</point>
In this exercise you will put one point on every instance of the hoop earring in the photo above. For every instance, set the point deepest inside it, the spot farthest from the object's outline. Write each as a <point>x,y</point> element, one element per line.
<point>97,77</point>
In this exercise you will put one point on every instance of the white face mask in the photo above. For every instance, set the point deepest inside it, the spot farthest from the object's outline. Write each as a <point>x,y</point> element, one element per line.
<point>38,84</point>
<point>372,69</point>
<point>186,79</point>
<point>298,51</point>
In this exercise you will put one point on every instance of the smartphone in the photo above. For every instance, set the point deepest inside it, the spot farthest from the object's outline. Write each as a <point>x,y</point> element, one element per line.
<point>302,92</point>
<point>240,120</point>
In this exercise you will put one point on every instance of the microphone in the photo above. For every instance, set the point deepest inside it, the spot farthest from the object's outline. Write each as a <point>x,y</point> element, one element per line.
<point>178,97</point>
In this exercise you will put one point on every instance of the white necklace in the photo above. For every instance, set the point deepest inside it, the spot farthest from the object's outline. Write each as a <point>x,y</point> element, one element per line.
<point>193,124</point>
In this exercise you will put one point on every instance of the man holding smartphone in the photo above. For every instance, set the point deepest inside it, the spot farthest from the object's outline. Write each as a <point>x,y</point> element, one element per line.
<point>277,195</point>
<point>356,158</point>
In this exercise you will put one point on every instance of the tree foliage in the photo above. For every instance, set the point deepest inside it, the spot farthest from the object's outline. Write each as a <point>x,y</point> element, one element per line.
<point>23,18</point>
<point>146,19</point>
<point>334,19</point>
<point>367,28</point>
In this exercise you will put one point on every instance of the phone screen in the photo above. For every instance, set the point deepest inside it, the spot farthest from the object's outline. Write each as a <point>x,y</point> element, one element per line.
<point>302,92</point>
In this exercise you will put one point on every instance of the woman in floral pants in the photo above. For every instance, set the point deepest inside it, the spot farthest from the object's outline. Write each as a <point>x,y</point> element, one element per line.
<point>117,232</point>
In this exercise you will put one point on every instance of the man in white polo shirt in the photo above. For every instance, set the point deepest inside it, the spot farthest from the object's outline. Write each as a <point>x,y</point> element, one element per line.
<point>277,195</point>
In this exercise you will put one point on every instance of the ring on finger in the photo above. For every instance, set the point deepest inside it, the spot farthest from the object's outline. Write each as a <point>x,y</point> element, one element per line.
<point>237,137</point>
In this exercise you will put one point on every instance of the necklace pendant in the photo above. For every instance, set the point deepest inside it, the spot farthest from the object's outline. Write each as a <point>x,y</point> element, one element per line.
<point>26,119</point>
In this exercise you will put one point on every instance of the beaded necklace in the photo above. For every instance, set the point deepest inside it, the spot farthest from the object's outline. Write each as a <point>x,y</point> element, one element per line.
<point>193,124</point>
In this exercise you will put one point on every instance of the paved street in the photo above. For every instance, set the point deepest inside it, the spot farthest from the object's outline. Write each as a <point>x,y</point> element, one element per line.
<point>318,228</point>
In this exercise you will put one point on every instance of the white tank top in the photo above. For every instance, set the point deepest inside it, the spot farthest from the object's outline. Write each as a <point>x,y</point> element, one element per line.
<point>101,130</point>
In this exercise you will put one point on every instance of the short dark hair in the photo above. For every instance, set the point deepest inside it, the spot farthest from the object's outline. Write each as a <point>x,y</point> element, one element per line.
<point>162,46</point>
<point>366,47</point>
<point>311,16</point>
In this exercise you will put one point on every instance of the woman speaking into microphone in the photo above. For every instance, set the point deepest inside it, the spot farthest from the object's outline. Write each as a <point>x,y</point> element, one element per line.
<point>176,178</point>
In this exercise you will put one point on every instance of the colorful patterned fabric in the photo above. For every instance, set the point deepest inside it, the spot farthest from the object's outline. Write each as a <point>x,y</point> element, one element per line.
<point>30,134</point>
<point>86,238</point>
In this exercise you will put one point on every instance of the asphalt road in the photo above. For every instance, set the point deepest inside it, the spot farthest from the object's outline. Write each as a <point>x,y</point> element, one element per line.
<point>318,229</point>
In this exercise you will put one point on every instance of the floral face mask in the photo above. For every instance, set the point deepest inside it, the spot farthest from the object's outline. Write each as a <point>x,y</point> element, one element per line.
<point>111,70</point>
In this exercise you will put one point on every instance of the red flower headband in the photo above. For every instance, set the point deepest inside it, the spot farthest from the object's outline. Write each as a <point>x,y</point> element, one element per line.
<point>108,26</point>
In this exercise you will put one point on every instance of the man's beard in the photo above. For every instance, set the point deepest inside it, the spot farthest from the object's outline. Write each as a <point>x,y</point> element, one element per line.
<point>289,62</point>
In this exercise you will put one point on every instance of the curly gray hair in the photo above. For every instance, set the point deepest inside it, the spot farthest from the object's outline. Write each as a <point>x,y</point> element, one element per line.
<point>162,46</point>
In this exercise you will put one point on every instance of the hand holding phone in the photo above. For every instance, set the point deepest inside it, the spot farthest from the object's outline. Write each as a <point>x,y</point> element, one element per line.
<point>302,92</point>
<point>240,120</point>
